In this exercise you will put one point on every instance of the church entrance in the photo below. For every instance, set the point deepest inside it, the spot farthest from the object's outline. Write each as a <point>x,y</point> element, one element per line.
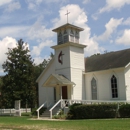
<point>64,92</point>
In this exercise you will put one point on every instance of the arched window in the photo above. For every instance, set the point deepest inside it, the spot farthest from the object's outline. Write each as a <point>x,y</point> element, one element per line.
<point>76,37</point>
<point>60,38</point>
<point>71,36</point>
<point>114,87</point>
<point>65,36</point>
<point>94,89</point>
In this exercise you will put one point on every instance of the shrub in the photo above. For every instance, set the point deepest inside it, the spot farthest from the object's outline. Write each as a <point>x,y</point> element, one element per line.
<point>94,111</point>
<point>124,110</point>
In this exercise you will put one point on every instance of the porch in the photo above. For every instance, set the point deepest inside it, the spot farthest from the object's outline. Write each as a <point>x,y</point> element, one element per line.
<point>65,103</point>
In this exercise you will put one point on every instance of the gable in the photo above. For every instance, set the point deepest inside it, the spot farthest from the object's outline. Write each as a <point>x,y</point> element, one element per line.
<point>107,61</point>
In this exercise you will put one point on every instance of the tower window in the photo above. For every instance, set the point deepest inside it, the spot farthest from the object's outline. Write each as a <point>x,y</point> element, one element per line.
<point>76,39</point>
<point>71,36</point>
<point>94,89</point>
<point>65,38</point>
<point>114,87</point>
<point>60,41</point>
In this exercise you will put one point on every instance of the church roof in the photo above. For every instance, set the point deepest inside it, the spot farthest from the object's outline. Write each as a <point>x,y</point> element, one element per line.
<point>107,61</point>
<point>67,26</point>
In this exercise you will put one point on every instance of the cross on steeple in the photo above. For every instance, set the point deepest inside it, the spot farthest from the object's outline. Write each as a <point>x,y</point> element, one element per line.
<point>67,15</point>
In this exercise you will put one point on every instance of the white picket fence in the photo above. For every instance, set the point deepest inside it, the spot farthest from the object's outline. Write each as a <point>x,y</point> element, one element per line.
<point>12,112</point>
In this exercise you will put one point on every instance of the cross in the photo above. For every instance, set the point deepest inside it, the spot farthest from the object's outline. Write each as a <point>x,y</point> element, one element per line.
<point>67,15</point>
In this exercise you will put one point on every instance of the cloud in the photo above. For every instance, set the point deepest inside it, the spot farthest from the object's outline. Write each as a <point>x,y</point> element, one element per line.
<point>3,2</point>
<point>39,31</point>
<point>14,31</point>
<point>110,5</point>
<point>86,1</point>
<point>79,18</point>
<point>5,43</point>
<point>127,21</point>
<point>113,4</point>
<point>125,38</point>
<point>111,26</point>
<point>36,51</point>
<point>13,6</point>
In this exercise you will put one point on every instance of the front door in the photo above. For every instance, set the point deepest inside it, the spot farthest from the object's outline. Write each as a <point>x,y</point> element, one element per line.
<point>64,92</point>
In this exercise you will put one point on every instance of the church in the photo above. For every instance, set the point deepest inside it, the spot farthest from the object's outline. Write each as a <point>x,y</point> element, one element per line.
<point>70,75</point>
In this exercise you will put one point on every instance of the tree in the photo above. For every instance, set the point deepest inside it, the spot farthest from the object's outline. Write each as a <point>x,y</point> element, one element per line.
<point>19,81</point>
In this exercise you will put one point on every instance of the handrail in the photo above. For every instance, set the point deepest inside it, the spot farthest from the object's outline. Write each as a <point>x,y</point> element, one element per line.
<point>40,108</point>
<point>53,108</point>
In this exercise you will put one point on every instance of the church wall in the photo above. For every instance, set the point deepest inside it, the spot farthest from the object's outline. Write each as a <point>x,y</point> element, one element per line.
<point>127,82</point>
<point>77,68</point>
<point>103,79</point>
<point>76,77</point>
<point>44,91</point>
<point>65,58</point>
<point>77,57</point>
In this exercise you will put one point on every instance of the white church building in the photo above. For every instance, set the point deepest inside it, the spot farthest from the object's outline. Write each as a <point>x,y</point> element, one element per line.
<point>70,75</point>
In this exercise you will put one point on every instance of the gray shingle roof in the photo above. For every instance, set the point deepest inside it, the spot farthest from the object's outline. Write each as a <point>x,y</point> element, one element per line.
<point>107,61</point>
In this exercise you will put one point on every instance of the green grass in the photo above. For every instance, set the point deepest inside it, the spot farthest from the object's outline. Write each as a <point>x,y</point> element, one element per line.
<point>23,123</point>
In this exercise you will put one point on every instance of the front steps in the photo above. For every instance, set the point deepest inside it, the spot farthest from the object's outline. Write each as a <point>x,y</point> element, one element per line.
<point>46,113</point>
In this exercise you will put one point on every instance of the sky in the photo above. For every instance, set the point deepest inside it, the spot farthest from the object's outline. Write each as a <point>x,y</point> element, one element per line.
<point>106,25</point>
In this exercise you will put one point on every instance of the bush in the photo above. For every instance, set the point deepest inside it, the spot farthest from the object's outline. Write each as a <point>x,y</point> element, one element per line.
<point>124,110</point>
<point>92,111</point>
<point>72,112</point>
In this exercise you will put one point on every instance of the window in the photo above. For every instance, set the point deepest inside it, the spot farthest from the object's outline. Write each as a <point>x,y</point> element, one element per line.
<point>72,36</point>
<point>114,87</point>
<point>60,38</point>
<point>76,39</point>
<point>94,89</point>
<point>65,36</point>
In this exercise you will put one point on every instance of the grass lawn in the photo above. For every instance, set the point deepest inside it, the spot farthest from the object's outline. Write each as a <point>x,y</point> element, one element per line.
<point>23,123</point>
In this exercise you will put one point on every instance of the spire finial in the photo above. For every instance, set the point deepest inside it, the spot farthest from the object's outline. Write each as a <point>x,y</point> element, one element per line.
<point>67,15</point>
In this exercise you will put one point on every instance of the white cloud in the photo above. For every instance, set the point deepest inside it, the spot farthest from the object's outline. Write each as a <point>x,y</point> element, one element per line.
<point>39,31</point>
<point>110,5</point>
<point>125,38</point>
<point>127,21</point>
<point>3,2</point>
<point>113,4</point>
<point>111,26</point>
<point>14,31</point>
<point>86,1</point>
<point>36,51</point>
<point>7,42</point>
<point>13,6</point>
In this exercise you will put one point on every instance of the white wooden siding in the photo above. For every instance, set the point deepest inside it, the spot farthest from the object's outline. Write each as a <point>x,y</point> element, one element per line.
<point>77,57</point>
<point>127,82</point>
<point>76,77</point>
<point>103,79</point>
<point>45,91</point>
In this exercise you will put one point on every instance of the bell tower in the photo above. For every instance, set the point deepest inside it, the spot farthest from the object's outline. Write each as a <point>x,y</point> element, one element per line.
<point>69,57</point>
<point>68,33</point>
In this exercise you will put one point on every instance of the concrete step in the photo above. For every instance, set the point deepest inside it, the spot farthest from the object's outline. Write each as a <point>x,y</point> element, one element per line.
<point>54,112</point>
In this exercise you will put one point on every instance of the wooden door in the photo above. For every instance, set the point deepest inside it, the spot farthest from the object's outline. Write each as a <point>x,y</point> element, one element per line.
<point>64,92</point>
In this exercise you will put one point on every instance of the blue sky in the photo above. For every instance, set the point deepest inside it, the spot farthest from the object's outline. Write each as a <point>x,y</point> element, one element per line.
<point>106,24</point>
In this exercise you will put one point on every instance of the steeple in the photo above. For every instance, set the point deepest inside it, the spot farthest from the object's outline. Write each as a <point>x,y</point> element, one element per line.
<point>68,33</point>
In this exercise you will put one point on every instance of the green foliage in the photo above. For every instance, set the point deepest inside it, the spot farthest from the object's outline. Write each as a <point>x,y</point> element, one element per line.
<point>94,111</point>
<point>19,79</point>
<point>124,110</point>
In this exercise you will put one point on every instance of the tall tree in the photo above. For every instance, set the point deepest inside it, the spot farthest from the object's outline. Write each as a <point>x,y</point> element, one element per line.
<point>19,80</point>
